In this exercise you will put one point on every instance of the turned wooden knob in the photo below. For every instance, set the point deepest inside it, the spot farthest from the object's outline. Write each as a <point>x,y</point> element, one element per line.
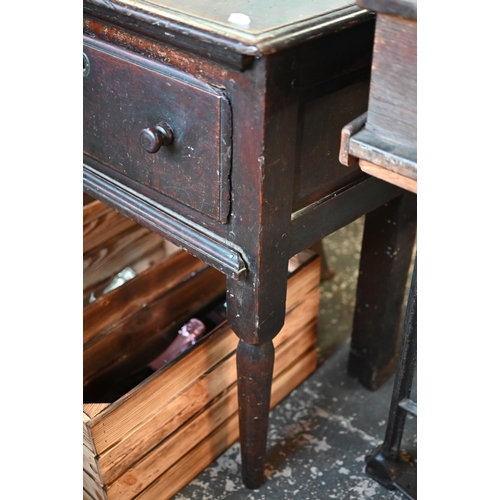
<point>153,138</point>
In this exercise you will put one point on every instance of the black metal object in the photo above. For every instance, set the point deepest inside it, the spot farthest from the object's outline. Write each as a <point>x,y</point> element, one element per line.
<point>387,464</point>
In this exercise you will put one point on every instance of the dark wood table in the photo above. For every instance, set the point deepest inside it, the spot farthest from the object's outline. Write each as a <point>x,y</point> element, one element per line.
<point>217,125</point>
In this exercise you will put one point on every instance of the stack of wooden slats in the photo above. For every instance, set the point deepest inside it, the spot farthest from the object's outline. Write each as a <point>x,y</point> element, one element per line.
<point>157,437</point>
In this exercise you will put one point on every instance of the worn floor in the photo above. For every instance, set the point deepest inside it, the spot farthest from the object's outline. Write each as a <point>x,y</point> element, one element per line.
<point>320,434</point>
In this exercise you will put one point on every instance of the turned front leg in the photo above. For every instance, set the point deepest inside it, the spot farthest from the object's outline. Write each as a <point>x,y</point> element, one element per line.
<point>256,317</point>
<point>255,373</point>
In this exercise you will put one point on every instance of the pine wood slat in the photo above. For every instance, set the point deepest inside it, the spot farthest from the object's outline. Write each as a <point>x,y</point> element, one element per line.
<point>123,301</point>
<point>88,440</point>
<point>115,254</point>
<point>94,490</point>
<point>150,258</point>
<point>92,209</point>
<point>92,409</point>
<point>90,465</point>
<point>136,407</point>
<point>104,227</point>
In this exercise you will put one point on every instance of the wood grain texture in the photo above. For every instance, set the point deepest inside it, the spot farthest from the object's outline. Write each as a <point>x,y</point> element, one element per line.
<point>86,496</point>
<point>101,228</point>
<point>91,466</point>
<point>115,254</point>
<point>201,35</point>
<point>129,298</point>
<point>93,489</point>
<point>388,176</point>
<point>392,109</point>
<point>186,469</point>
<point>93,209</point>
<point>93,409</point>
<point>132,342</point>
<point>88,440</point>
<point>197,242</point>
<point>124,95</point>
<point>270,97</point>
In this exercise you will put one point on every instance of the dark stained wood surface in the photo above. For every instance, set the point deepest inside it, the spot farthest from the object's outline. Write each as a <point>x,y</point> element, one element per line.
<point>392,110</point>
<point>255,371</point>
<point>388,138</point>
<point>386,253</point>
<point>274,26</point>
<point>124,95</point>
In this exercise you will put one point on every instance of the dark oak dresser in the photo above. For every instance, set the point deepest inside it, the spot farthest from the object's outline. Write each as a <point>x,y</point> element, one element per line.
<point>217,125</point>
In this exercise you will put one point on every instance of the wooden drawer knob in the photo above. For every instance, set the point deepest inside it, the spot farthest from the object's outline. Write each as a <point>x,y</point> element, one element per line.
<point>153,138</point>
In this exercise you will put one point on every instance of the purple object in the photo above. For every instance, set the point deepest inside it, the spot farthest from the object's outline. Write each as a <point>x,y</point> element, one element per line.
<point>192,331</point>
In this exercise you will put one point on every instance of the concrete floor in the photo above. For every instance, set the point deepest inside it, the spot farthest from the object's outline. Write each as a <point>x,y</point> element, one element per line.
<point>320,434</point>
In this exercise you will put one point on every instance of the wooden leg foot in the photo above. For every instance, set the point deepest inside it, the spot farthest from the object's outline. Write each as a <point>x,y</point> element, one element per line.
<point>255,372</point>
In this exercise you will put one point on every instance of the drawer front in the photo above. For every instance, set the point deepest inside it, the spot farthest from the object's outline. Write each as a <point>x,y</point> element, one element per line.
<point>126,96</point>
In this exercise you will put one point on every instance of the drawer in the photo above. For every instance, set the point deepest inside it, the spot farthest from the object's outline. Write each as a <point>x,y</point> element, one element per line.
<point>186,158</point>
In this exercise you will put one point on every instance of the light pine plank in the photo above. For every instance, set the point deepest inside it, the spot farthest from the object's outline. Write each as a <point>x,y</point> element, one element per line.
<point>131,411</point>
<point>131,448</point>
<point>91,466</point>
<point>388,176</point>
<point>171,450</point>
<point>120,303</point>
<point>303,281</point>
<point>150,258</point>
<point>93,489</point>
<point>92,409</point>
<point>103,228</point>
<point>88,440</point>
<point>289,380</point>
<point>134,341</point>
<point>298,283</point>
<point>86,496</point>
<point>117,253</point>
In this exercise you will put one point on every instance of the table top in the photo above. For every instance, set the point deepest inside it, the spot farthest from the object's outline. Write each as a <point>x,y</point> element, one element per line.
<point>404,8</point>
<point>251,27</point>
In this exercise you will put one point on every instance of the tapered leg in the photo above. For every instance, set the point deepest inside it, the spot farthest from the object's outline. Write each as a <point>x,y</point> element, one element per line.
<point>255,373</point>
<point>388,239</point>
